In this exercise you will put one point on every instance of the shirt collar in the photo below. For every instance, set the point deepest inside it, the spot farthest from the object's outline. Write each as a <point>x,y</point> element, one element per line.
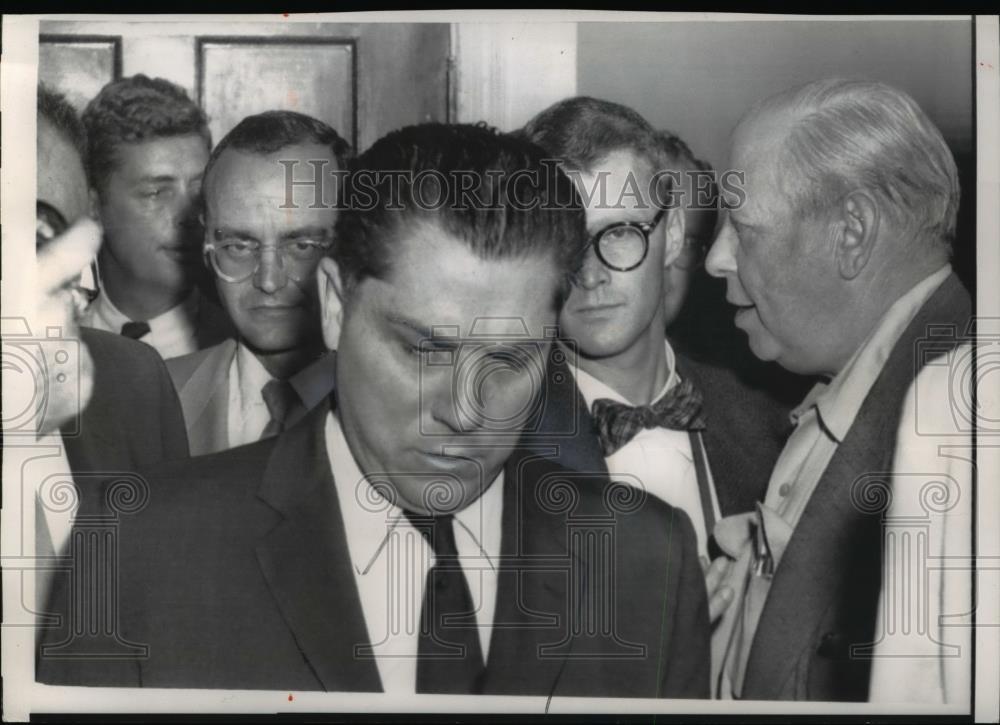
<point>591,388</point>
<point>838,401</point>
<point>251,375</point>
<point>180,318</point>
<point>369,517</point>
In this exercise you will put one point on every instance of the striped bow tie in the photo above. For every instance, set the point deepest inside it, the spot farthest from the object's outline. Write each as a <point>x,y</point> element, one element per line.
<point>617,423</point>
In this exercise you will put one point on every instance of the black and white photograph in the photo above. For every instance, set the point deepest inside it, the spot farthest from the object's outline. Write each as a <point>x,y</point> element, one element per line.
<point>548,362</point>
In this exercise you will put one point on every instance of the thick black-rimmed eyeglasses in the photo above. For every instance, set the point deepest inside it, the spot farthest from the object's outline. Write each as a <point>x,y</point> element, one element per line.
<point>623,246</point>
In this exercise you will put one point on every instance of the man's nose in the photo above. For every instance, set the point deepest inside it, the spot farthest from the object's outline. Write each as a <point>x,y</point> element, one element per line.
<point>593,273</point>
<point>270,275</point>
<point>438,394</point>
<point>721,259</point>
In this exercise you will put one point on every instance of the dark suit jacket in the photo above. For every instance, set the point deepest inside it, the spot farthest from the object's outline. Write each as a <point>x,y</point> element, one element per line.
<point>825,591</point>
<point>237,575</point>
<point>744,434</point>
<point>133,418</point>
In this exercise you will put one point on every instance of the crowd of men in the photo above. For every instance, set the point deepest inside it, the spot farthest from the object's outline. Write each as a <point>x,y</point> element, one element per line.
<point>381,444</point>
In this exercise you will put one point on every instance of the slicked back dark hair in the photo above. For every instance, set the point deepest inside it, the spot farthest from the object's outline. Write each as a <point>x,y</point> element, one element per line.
<point>136,109</point>
<point>581,131</point>
<point>55,109</point>
<point>521,206</point>
<point>265,133</point>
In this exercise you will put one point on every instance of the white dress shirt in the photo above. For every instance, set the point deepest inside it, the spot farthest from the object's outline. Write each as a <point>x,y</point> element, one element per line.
<point>391,559</point>
<point>657,460</point>
<point>171,333</point>
<point>248,414</point>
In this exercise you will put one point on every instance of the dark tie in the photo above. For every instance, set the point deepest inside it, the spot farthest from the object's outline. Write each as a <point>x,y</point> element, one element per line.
<point>135,330</point>
<point>449,656</point>
<point>617,423</point>
<point>280,398</point>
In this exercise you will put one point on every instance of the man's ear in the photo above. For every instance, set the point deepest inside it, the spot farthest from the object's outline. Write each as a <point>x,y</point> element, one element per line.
<point>675,235</point>
<point>331,301</point>
<point>857,233</point>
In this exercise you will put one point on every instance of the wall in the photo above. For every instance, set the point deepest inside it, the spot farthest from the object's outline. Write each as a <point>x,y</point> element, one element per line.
<point>697,78</point>
<point>507,72</point>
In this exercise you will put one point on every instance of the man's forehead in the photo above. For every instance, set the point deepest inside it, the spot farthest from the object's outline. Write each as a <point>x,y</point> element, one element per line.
<point>264,179</point>
<point>186,152</point>
<point>435,279</point>
<point>616,187</point>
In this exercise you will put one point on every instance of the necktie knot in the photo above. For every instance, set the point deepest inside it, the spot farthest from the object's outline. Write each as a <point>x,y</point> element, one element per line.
<point>618,423</point>
<point>279,397</point>
<point>135,330</point>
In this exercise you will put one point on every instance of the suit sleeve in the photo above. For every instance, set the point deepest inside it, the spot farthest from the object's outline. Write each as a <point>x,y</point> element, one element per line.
<point>686,674</point>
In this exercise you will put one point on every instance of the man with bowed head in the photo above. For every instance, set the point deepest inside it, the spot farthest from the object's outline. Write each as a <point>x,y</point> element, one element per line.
<point>405,538</point>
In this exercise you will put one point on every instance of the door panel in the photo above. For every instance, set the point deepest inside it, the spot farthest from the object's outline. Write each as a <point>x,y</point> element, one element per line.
<point>78,66</point>
<point>364,79</point>
<point>238,77</point>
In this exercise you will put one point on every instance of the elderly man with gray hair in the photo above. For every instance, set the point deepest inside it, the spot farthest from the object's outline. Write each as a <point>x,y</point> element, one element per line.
<point>838,265</point>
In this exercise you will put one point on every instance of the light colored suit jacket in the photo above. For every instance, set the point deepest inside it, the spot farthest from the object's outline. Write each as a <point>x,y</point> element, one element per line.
<point>202,382</point>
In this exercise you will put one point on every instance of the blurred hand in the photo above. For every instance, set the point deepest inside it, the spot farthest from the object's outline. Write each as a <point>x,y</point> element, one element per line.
<point>59,265</point>
<point>720,594</point>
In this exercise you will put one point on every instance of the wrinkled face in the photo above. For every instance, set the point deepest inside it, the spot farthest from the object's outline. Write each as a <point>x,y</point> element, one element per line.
<point>148,208</point>
<point>422,412</point>
<point>609,311</point>
<point>779,265</point>
<point>274,309</point>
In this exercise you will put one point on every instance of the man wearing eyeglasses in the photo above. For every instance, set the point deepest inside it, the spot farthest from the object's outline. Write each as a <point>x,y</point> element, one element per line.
<point>646,414</point>
<point>263,241</point>
<point>639,412</point>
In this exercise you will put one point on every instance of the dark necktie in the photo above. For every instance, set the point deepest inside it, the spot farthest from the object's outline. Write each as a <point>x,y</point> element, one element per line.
<point>135,330</point>
<point>280,398</point>
<point>617,423</point>
<point>449,656</point>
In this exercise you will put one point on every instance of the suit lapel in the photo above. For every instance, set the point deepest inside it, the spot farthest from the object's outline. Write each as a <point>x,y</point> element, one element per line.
<point>686,369</point>
<point>530,638</point>
<point>205,400</point>
<point>566,431</point>
<point>305,560</point>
